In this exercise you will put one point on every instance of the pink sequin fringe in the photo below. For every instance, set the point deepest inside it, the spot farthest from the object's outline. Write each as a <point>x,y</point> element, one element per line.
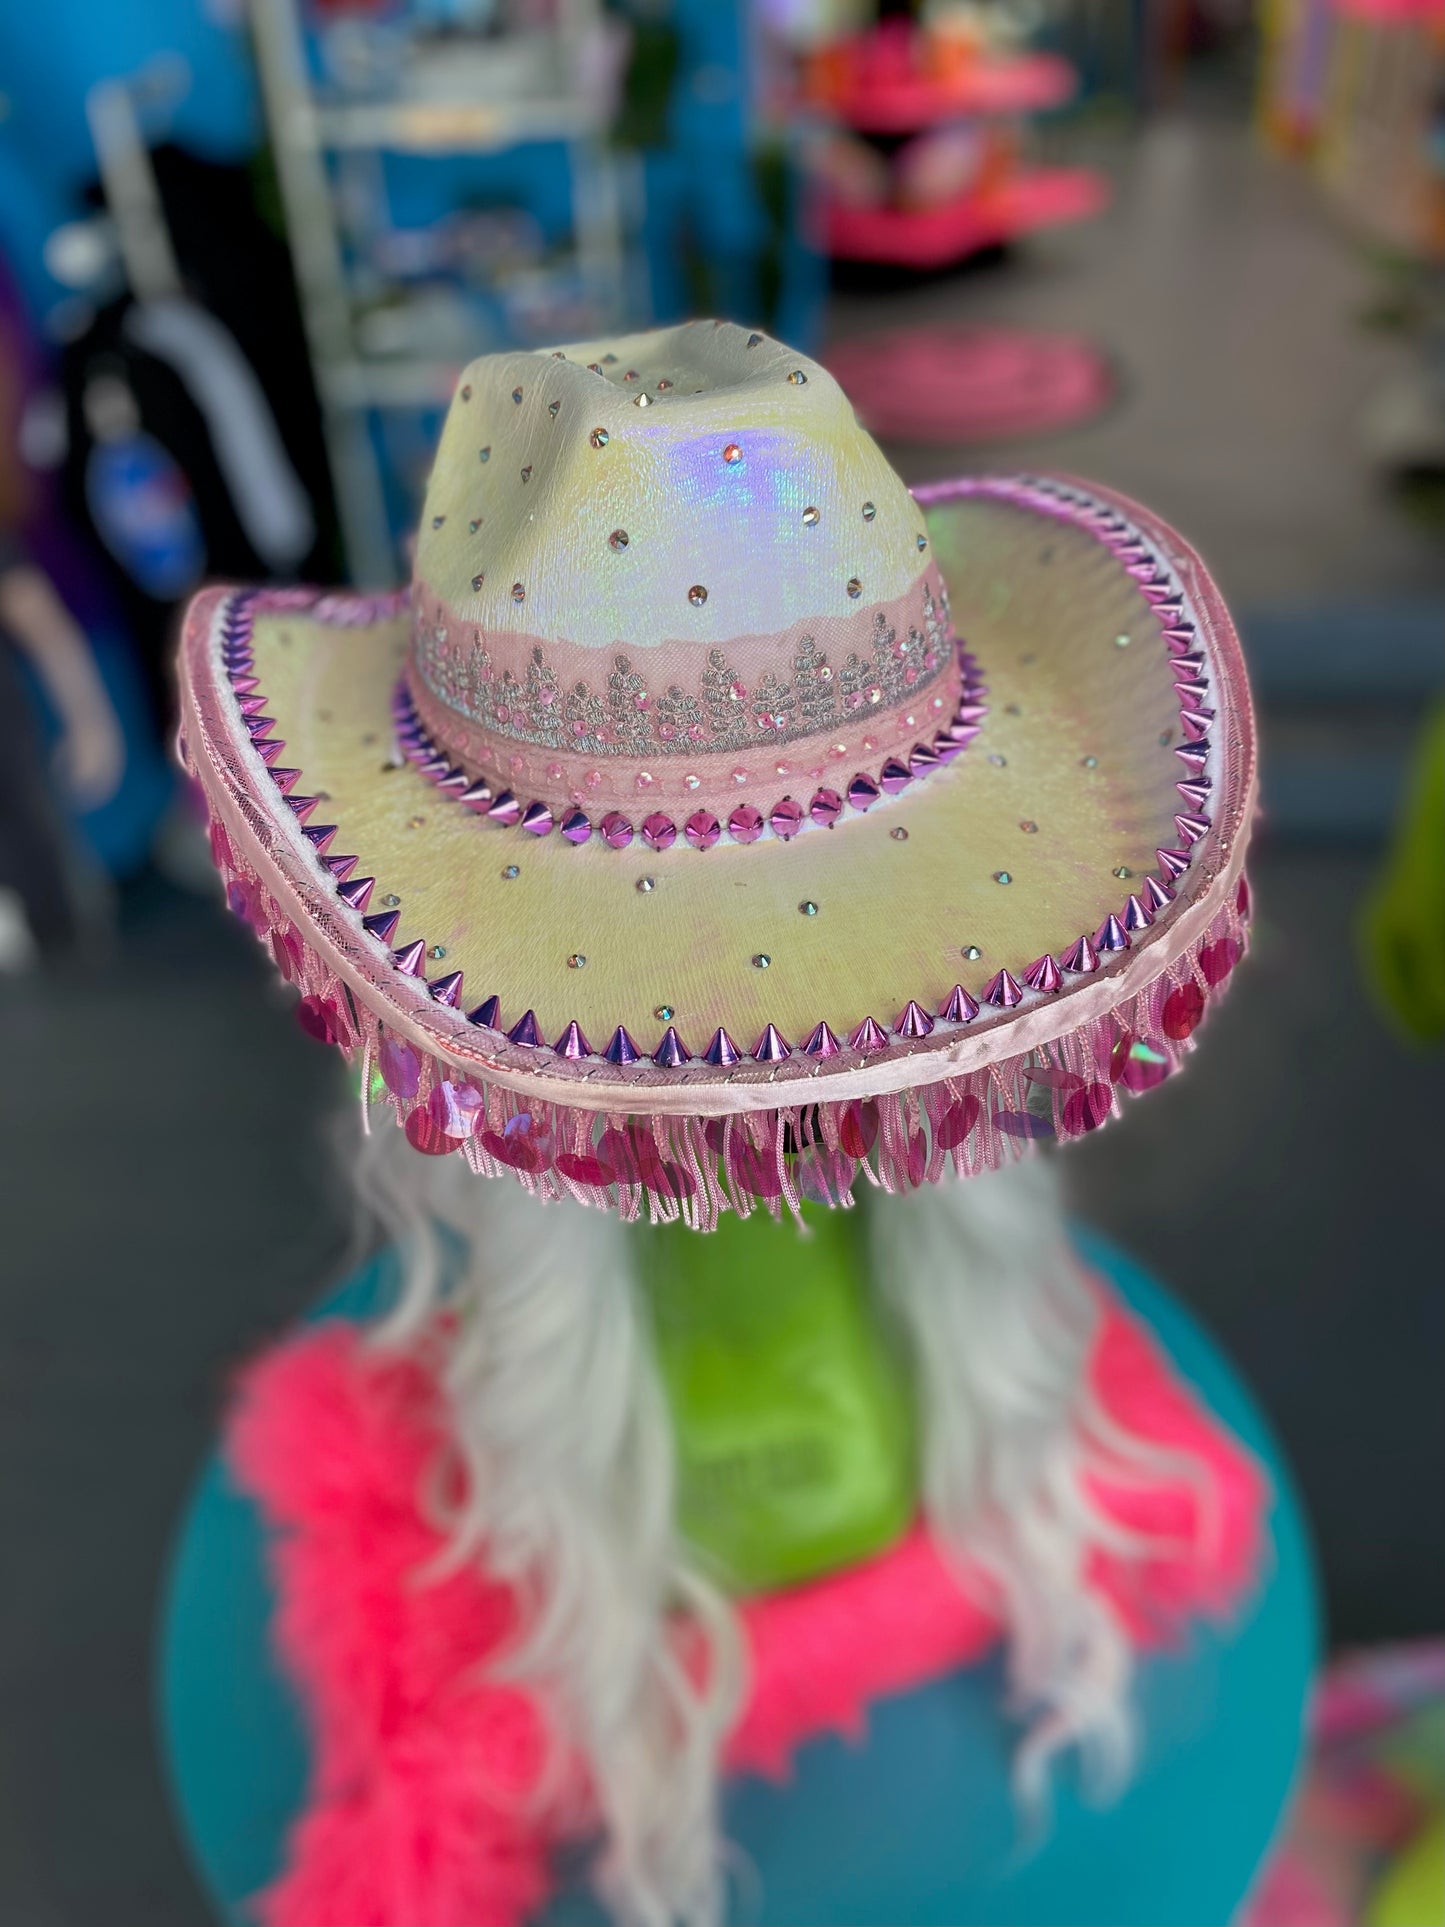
<point>695,1168</point>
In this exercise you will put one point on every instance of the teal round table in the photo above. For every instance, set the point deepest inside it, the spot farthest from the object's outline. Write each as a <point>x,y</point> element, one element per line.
<point>914,1825</point>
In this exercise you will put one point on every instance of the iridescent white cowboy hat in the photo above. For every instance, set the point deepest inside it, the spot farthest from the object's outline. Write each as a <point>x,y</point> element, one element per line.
<point>681,841</point>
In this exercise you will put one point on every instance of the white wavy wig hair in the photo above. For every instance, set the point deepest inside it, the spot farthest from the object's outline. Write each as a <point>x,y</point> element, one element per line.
<point>563,1430</point>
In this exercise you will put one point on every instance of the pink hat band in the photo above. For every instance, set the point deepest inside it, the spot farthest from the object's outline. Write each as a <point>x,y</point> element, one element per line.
<point>770,733</point>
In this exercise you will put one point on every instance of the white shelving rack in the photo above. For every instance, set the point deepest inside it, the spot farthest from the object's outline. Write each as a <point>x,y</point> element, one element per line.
<point>472,95</point>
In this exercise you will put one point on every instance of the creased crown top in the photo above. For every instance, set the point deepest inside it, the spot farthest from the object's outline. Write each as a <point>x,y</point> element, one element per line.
<point>696,484</point>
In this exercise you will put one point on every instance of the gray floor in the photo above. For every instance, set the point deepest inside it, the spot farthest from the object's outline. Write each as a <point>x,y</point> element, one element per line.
<point>167,1203</point>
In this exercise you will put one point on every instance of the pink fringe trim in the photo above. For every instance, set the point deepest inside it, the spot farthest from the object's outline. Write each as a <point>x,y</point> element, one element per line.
<point>437,1794</point>
<point>694,1168</point>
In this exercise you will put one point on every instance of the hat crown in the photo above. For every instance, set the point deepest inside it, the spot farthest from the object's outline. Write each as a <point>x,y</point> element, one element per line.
<point>737,469</point>
<point>642,559</point>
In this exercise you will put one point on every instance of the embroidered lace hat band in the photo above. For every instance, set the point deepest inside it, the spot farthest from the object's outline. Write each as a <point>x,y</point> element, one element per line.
<point>714,821</point>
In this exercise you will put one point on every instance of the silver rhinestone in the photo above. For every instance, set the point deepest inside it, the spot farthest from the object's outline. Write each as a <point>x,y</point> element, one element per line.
<point>1123,871</point>
<point>807,908</point>
<point>516,394</point>
<point>697,595</point>
<point>665,1012</point>
<point>599,438</point>
<point>1122,642</point>
<point>390,903</point>
<point>511,872</point>
<point>810,517</point>
<point>647,885</point>
<point>855,587</point>
<point>642,399</point>
<point>1002,876</point>
<point>617,540</point>
<point>1028,828</point>
<point>485,454</point>
<point>972,952</point>
<point>519,594</point>
<point>869,511</point>
<point>922,543</point>
<point>999,762</point>
<point>437,952</point>
<point>761,961</point>
<point>798,378</point>
<point>900,835</point>
<point>576,961</point>
<point>1091,762</point>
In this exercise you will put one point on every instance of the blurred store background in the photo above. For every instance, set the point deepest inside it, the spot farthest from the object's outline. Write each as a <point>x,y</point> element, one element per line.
<point>1192,248</point>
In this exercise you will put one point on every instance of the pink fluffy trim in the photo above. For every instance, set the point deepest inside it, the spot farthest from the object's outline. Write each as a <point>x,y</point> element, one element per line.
<point>438,1795</point>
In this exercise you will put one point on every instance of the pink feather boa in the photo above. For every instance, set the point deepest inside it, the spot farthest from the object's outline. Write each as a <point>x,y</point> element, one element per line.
<point>435,1792</point>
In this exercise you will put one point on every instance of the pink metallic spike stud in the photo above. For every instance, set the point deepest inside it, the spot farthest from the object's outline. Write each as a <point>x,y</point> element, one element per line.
<point>616,830</point>
<point>1173,863</point>
<point>1044,974</point>
<point>770,1047</point>
<point>455,782</point>
<point>822,1043</point>
<point>959,1007</point>
<point>912,1021</point>
<point>251,705</point>
<point>537,819</point>
<point>1111,934</point>
<point>1156,894</point>
<point>447,990</point>
<point>1136,916</point>
<point>259,726</point>
<point>1196,795</point>
<point>1003,992</point>
<point>1195,723</point>
<point>302,807</point>
<point>340,866</point>
<point>320,836</point>
<point>659,832</point>
<point>269,752</point>
<point>1080,958</point>
<point>922,760</point>
<point>863,792</point>
<point>572,1043</point>
<point>825,808</point>
<point>786,819</point>
<point>1192,828</point>
<point>383,925</point>
<point>525,1030</point>
<point>411,957</point>
<point>434,768</point>
<point>1194,757</point>
<point>722,1050</point>
<point>621,1050</point>
<point>702,829</point>
<point>1191,694</point>
<point>894,776</point>
<point>669,1053</point>
<point>356,893</point>
<point>488,1014</point>
<point>868,1036</point>
<point>576,827</point>
<point>285,779</point>
<point>478,797</point>
<point>506,810</point>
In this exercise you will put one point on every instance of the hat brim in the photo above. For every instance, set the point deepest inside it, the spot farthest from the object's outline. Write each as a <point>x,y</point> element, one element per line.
<point>1080,608</point>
